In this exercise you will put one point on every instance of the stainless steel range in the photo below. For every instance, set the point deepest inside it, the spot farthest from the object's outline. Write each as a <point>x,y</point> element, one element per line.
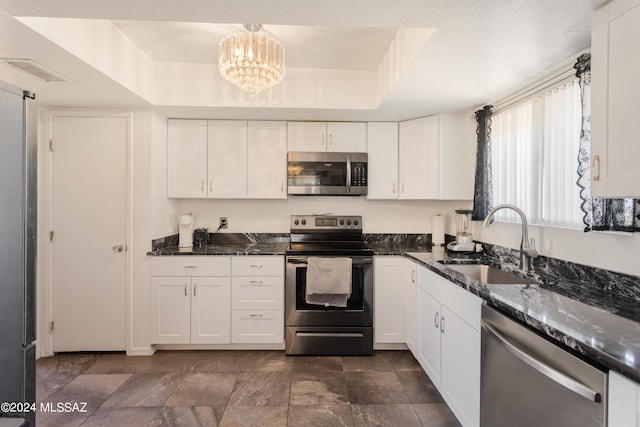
<point>330,326</point>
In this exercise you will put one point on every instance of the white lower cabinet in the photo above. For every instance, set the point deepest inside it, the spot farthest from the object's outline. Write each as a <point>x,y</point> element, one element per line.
<point>448,343</point>
<point>391,277</point>
<point>257,299</point>
<point>624,401</point>
<point>190,300</point>
<point>217,300</point>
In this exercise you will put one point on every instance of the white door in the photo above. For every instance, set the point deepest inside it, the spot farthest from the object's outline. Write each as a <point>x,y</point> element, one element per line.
<point>418,158</point>
<point>347,137</point>
<point>306,136</point>
<point>267,160</point>
<point>187,158</point>
<point>89,224</point>
<point>227,165</point>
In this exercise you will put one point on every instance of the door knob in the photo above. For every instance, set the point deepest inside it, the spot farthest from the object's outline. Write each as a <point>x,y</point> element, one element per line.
<point>117,248</point>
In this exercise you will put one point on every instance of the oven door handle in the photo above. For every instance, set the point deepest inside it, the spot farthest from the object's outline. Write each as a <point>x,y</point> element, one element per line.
<point>354,260</point>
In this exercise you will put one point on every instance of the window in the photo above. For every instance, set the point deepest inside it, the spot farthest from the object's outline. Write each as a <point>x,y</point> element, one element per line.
<point>534,147</point>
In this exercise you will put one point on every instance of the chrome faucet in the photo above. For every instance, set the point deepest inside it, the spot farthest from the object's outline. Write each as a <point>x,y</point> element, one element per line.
<point>527,250</point>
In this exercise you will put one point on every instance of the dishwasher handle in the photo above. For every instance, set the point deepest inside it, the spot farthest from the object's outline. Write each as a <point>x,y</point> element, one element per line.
<point>546,370</point>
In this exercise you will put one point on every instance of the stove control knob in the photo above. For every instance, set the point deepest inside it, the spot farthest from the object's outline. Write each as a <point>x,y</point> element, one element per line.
<point>304,222</point>
<point>296,222</point>
<point>342,222</point>
<point>348,222</point>
<point>355,222</point>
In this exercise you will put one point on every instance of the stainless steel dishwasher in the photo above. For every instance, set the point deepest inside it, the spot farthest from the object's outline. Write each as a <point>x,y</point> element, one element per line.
<point>527,381</point>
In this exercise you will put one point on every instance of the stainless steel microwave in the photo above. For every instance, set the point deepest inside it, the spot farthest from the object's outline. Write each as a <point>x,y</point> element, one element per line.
<point>326,174</point>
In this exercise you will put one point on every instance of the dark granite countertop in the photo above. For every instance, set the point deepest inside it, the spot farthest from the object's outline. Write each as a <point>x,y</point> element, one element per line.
<point>607,334</point>
<point>226,244</point>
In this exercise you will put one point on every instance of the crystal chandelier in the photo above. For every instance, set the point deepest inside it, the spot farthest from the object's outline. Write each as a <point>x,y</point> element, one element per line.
<point>251,59</point>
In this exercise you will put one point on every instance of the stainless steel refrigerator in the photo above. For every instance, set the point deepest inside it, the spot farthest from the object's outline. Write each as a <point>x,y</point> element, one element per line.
<point>18,174</point>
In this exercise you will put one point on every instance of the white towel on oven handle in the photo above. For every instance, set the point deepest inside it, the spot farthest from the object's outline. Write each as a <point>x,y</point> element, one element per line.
<point>328,281</point>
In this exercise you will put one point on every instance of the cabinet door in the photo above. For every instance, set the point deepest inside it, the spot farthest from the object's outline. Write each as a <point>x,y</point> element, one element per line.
<point>460,368</point>
<point>623,404</point>
<point>347,137</point>
<point>227,159</point>
<point>428,345</point>
<point>382,146</point>
<point>615,59</point>
<point>389,299</point>
<point>412,322</point>
<point>170,310</point>
<point>306,136</point>
<point>187,158</point>
<point>267,160</point>
<point>457,151</point>
<point>211,310</point>
<point>418,158</point>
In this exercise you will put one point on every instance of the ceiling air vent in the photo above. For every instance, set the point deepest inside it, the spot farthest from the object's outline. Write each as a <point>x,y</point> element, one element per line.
<point>32,67</point>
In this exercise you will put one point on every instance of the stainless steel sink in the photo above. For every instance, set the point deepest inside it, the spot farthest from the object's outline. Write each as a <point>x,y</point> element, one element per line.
<point>490,275</point>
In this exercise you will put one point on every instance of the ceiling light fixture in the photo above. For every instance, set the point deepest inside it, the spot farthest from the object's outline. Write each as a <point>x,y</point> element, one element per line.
<point>252,60</point>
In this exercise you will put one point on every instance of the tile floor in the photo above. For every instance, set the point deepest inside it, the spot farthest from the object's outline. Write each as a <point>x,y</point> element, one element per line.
<point>239,388</point>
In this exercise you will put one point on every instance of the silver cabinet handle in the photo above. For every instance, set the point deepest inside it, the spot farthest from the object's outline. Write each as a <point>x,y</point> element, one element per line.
<point>442,325</point>
<point>255,315</point>
<point>323,140</point>
<point>190,267</point>
<point>256,266</point>
<point>195,293</point>
<point>413,276</point>
<point>402,186</point>
<point>256,282</point>
<point>595,166</point>
<point>281,186</point>
<point>210,186</point>
<point>117,249</point>
<point>393,187</point>
<point>546,370</point>
<point>436,319</point>
<point>202,187</point>
<point>185,290</point>
<point>331,139</point>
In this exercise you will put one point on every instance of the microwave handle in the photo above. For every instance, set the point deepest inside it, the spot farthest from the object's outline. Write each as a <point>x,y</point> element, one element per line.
<point>348,173</point>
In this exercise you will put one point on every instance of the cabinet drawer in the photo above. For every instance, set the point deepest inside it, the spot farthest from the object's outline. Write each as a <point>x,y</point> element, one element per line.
<point>262,293</point>
<point>257,326</point>
<point>251,265</point>
<point>191,266</point>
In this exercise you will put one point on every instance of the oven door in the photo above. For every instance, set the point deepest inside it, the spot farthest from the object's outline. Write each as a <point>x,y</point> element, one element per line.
<point>358,311</point>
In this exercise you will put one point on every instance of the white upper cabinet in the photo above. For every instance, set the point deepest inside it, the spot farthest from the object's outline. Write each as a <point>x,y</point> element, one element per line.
<point>321,136</point>
<point>382,147</point>
<point>306,136</point>
<point>615,59</point>
<point>227,159</point>
<point>436,158</point>
<point>187,158</point>
<point>348,137</point>
<point>267,162</point>
<point>418,159</point>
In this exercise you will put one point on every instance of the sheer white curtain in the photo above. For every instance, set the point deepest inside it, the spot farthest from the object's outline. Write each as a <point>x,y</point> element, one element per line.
<point>534,146</point>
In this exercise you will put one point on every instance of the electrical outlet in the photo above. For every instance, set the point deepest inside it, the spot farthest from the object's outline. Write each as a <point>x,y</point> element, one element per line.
<point>223,222</point>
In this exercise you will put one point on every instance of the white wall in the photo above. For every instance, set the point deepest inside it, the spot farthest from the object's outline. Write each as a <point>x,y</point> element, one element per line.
<point>273,215</point>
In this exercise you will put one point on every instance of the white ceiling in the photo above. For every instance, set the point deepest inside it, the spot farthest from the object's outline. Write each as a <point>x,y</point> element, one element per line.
<point>480,50</point>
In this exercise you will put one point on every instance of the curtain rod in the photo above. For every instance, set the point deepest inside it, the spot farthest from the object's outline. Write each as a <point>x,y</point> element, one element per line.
<point>562,74</point>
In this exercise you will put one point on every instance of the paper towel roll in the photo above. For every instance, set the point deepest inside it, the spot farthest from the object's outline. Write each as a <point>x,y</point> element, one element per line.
<point>437,230</point>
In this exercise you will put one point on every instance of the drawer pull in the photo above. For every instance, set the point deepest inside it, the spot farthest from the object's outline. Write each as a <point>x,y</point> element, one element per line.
<point>255,316</point>
<point>256,282</point>
<point>256,266</point>
<point>190,267</point>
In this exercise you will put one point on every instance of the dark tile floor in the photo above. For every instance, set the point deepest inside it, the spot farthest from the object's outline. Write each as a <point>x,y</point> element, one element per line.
<point>238,388</point>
